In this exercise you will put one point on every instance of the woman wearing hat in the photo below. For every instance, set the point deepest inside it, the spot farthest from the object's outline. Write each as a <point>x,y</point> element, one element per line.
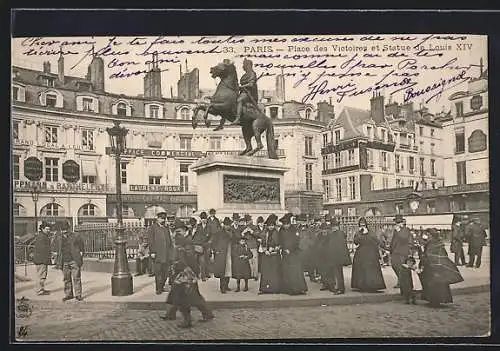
<point>400,245</point>
<point>366,271</point>
<point>438,271</point>
<point>220,244</point>
<point>270,264</point>
<point>294,282</point>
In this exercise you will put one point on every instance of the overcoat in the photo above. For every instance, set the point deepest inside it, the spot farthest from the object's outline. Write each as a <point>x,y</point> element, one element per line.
<point>366,271</point>
<point>160,243</point>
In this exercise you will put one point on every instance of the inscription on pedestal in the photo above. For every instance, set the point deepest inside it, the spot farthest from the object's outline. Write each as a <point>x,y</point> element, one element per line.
<point>239,189</point>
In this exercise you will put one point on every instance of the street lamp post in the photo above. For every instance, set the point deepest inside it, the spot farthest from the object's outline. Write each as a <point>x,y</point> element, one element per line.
<point>34,196</point>
<point>121,281</point>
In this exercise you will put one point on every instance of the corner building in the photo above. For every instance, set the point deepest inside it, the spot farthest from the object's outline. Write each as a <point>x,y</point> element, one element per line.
<point>60,145</point>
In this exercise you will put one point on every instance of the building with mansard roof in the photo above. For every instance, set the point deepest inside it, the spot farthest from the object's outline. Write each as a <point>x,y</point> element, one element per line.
<point>61,146</point>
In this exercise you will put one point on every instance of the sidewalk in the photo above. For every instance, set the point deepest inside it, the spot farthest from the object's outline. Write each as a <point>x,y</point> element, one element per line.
<point>97,290</point>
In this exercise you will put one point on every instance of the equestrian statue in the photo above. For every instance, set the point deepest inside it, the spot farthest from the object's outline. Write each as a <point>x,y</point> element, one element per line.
<point>237,102</point>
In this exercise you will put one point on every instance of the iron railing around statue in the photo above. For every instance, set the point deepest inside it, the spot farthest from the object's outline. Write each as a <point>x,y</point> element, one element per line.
<point>99,239</point>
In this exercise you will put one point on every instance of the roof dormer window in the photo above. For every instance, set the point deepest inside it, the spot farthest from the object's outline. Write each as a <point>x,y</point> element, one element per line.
<point>48,82</point>
<point>308,113</point>
<point>153,110</point>
<point>87,103</point>
<point>121,108</point>
<point>18,93</point>
<point>51,98</point>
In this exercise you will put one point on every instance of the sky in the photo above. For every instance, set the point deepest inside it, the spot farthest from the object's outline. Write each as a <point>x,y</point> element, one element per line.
<point>325,64</point>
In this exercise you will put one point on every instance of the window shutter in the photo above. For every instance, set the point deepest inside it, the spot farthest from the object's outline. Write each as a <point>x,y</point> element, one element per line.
<point>381,159</point>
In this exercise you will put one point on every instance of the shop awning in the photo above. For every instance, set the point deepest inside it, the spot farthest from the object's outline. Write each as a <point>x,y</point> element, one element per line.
<point>89,168</point>
<point>155,169</point>
<point>442,221</point>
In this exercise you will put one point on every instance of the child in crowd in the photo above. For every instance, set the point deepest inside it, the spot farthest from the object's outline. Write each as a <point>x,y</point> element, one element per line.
<point>241,266</point>
<point>409,280</point>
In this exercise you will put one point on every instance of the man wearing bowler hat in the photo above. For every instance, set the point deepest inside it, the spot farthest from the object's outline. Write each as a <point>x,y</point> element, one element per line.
<point>161,247</point>
<point>400,245</point>
<point>201,238</point>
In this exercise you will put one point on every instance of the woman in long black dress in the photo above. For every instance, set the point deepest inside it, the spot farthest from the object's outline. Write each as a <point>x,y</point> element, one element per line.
<point>366,272</point>
<point>270,266</point>
<point>438,271</point>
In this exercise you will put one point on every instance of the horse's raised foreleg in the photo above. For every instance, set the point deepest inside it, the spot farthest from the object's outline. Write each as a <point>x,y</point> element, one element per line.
<point>194,119</point>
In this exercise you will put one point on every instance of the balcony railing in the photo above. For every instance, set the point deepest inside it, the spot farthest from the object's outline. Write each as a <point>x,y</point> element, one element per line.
<point>303,187</point>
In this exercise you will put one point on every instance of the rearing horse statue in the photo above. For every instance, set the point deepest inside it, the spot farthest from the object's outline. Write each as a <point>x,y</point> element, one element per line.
<point>224,103</point>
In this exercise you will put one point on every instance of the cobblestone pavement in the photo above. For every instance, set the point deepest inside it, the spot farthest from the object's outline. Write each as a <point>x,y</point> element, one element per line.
<point>469,315</point>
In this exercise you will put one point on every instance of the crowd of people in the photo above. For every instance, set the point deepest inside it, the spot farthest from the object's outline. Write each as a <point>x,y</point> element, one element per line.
<point>279,253</point>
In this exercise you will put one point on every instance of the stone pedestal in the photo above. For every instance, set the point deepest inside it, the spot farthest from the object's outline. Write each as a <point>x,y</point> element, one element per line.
<point>241,184</point>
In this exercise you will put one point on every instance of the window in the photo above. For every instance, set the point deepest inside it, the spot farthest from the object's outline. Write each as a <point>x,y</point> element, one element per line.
<point>50,210</point>
<point>184,113</point>
<point>88,104</point>
<point>461,173</point>
<point>411,164</point>
<point>88,139</point>
<point>432,132</point>
<point>382,134</point>
<point>385,183</point>
<point>50,134</point>
<point>15,130</point>
<point>15,93</point>
<point>338,188</point>
<point>399,208</point>
<point>51,169</point>
<point>308,146</point>
<point>432,148</point>
<point>18,210</point>
<point>16,166</point>
<point>121,109</point>
<point>351,211</point>
<point>396,163</point>
<point>350,157</point>
<point>369,132</point>
<point>308,114</point>
<point>154,180</point>
<point>50,100</point>
<point>384,160</point>
<point>459,106</point>
<point>337,212</point>
<point>459,140</point>
<point>326,189</point>
<point>421,131</point>
<point>185,211</point>
<point>422,172</point>
<point>308,176</point>
<point>369,158</point>
<point>352,187</point>
<point>325,140</point>
<point>215,143</point>
<point>88,179</point>
<point>431,206</point>
<point>433,168</point>
<point>185,143</point>
<point>184,178</point>
<point>273,111</point>
<point>154,111</point>
<point>48,82</point>
<point>88,210</point>
<point>337,136</point>
<point>127,211</point>
<point>337,160</point>
<point>123,170</point>
<point>325,162</point>
<point>398,183</point>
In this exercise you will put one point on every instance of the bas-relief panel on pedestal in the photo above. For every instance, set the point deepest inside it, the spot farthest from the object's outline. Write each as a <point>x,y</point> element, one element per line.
<point>242,189</point>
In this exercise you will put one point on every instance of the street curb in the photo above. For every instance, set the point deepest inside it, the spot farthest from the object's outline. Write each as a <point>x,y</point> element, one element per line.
<point>262,304</point>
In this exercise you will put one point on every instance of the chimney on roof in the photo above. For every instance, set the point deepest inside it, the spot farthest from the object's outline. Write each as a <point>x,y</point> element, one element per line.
<point>326,111</point>
<point>280,87</point>
<point>377,107</point>
<point>152,79</point>
<point>481,67</point>
<point>60,69</point>
<point>96,73</point>
<point>46,67</point>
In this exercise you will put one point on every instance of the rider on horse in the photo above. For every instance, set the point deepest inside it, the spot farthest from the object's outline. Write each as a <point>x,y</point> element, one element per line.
<point>248,89</point>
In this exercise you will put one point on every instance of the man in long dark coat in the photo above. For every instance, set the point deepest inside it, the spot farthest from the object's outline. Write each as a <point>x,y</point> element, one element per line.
<point>476,237</point>
<point>260,234</point>
<point>201,237</point>
<point>251,235</point>
<point>400,245</point>
<point>214,226</point>
<point>220,245</point>
<point>161,247</point>
<point>293,273</point>
<point>334,256</point>
<point>42,255</point>
<point>457,242</point>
